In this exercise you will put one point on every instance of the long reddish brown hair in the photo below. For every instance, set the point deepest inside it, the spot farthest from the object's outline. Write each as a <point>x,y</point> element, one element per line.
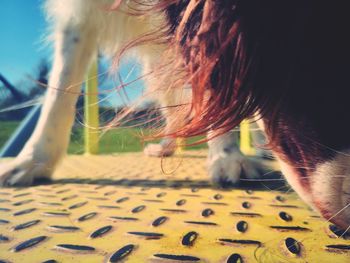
<point>220,45</point>
<point>248,58</point>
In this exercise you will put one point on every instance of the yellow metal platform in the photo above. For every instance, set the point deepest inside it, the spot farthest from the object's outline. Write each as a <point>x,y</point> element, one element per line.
<point>130,208</point>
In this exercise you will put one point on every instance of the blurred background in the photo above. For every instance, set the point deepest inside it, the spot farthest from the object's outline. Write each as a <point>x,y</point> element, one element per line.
<point>25,63</point>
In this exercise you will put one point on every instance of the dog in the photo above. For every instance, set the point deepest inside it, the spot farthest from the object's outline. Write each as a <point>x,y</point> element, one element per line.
<point>281,63</point>
<point>78,29</point>
<point>285,64</point>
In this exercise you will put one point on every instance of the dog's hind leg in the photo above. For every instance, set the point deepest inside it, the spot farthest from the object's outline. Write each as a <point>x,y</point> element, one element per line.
<point>174,109</point>
<point>167,146</point>
<point>75,45</point>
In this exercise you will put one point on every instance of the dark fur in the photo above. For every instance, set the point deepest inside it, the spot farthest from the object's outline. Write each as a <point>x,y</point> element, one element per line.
<point>288,61</point>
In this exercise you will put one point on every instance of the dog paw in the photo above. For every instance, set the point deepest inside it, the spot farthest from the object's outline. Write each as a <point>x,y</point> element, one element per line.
<point>226,169</point>
<point>163,149</point>
<point>22,172</point>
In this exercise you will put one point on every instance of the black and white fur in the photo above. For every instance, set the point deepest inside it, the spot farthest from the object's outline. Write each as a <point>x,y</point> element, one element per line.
<point>79,28</point>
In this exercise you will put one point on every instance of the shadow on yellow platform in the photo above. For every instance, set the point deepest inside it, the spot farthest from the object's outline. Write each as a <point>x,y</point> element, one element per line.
<point>131,208</point>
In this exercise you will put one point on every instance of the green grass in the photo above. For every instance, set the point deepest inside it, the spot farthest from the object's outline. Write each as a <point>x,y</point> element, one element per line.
<point>114,141</point>
<point>118,140</point>
<point>6,129</point>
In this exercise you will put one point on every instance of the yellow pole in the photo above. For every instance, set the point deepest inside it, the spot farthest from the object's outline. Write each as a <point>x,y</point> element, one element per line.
<point>180,142</point>
<point>91,120</point>
<point>245,141</point>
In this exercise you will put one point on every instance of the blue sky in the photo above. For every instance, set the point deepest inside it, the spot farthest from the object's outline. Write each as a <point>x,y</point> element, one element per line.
<point>23,27</point>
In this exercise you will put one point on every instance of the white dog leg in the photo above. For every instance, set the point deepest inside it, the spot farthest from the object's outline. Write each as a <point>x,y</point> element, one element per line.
<point>74,47</point>
<point>167,146</point>
<point>226,163</point>
<point>175,116</point>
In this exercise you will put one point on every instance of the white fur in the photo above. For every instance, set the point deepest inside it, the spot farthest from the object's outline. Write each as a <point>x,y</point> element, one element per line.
<point>226,163</point>
<point>79,28</point>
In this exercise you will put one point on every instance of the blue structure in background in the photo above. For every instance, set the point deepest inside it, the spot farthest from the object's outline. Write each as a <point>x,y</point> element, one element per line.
<point>15,144</point>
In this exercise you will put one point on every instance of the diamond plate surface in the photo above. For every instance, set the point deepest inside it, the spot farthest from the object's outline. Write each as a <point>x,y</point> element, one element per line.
<point>123,208</point>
